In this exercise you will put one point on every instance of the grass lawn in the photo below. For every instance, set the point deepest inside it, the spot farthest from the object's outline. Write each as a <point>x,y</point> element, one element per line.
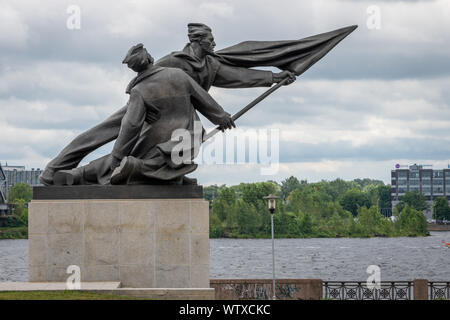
<point>60,295</point>
<point>14,232</point>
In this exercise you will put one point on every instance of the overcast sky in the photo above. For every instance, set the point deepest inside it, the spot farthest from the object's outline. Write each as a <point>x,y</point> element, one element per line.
<point>379,98</point>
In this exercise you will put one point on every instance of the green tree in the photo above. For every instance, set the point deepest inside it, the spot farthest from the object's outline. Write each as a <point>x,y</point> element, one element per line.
<point>20,195</point>
<point>306,225</point>
<point>286,224</point>
<point>364,183</point>
<point>224,207</point>
<point>20,191</point>
<point>411,222</point>
<point>338,187</point>
<point>413,199</point>
<point>211,192</point>
<point>254,193</point>
<point>290,184</point>
<point>294,201</point>
<point>336,225</point>
<point>353,199</point>
<point>384,196</point>
<point>248,220</point>
<point>441,209</point>
<point>369,219</point>
<point>216,229</point>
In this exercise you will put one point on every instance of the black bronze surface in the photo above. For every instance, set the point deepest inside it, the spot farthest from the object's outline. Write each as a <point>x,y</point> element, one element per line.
<point>118,192</point>
<point>166,96</point>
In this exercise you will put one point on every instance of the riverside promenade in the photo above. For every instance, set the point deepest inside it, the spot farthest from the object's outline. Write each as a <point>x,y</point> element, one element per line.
<point>258,289</point>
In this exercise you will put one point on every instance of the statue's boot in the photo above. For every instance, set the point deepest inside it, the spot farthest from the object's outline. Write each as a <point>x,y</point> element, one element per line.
<point>67,177</point>
<point>46,177</point>
<point>123,171</point>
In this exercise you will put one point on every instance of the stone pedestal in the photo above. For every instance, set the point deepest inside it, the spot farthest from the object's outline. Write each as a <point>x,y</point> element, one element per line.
<point>152,241</point>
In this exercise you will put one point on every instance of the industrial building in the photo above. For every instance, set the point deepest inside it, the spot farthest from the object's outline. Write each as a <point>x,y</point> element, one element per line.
<point>5,209</point>
<point>421,178</point>
<point>9,176</point>
<point>3,192</point>
<point>18,174</point>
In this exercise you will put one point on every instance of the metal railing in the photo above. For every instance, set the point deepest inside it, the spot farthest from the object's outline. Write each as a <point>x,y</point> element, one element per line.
<point>438,290</point>
<point>353,290</point>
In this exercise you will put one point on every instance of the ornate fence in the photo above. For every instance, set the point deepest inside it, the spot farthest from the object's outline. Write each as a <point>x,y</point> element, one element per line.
<point>352,290</point>
<point>438,290</point>
<point>418,289</point>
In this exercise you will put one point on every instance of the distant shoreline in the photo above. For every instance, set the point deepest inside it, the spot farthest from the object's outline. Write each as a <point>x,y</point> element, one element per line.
<point>17,233</point>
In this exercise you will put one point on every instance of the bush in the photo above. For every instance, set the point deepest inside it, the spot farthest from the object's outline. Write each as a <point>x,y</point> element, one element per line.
<point>411,222</point>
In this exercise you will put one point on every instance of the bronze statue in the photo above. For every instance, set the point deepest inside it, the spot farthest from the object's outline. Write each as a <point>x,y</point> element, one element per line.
<point>228,68</point>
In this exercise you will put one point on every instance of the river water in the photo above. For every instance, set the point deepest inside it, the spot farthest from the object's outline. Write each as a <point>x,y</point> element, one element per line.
<point>340,259</point>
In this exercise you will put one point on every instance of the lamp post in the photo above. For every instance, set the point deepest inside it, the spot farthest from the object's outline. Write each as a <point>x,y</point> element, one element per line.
<point>272,200</point>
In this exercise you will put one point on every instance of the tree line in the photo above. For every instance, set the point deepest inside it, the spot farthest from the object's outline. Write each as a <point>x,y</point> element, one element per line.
<point>17,225</point>
<point>335,208</point>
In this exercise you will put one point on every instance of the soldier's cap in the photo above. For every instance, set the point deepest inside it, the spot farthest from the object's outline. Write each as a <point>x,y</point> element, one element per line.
<point>197,29</point>
<point>137,49</point>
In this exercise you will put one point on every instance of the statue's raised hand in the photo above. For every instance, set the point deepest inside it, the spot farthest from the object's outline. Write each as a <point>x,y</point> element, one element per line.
<point>277,77</point>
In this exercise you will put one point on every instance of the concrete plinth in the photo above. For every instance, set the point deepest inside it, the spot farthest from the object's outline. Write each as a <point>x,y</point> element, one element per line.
<point>142,243</point>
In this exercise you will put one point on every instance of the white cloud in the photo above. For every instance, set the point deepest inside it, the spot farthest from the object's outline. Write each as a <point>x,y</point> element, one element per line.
<point>52,93</point>
<point>216,9</point>
<point>13,30</point>
<point>55,83</point>
<point>311,171</point>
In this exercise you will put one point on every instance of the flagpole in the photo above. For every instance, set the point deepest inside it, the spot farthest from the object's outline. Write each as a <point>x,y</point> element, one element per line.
<point>241,112</point>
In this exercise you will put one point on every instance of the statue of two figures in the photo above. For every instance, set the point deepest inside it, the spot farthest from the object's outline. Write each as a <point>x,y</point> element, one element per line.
<point>164,98</point>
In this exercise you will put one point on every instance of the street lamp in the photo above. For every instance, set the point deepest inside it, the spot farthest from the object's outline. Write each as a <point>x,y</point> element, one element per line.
<point>272,200</point>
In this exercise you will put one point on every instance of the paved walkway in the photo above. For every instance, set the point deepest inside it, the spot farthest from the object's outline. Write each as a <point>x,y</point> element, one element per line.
<point>55,286</point>
<point>114,288</point>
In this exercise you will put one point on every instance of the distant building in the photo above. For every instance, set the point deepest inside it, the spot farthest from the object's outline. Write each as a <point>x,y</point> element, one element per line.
<point>431,183</point>
<point>18,174</point>
<point>3,192</point>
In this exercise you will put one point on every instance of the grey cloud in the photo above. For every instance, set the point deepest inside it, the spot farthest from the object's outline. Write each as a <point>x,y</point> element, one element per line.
<point>381,150</point>
<point>398,75</point>
<point>364,54</point>
<point>75,83</point>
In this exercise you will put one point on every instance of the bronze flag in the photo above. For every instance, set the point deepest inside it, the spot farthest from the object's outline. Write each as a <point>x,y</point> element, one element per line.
<point>293,55</point>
